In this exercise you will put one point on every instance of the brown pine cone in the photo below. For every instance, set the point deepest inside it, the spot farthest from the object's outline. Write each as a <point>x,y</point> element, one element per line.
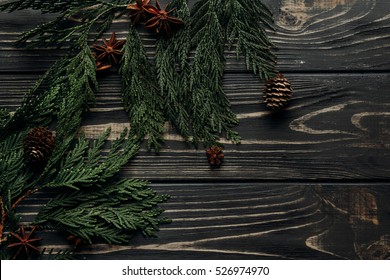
<point>76,241</point>
<point>215,155</point>
<point>38,145</point>
<point>277,92</point>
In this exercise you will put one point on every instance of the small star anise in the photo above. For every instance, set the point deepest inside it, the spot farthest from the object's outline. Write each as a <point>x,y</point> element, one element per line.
<point>138,10</point>
<point>23,241</point>
<point>102,67</point>
<point>161,21</point>
<point>215,155</point>
<point>109,52</point>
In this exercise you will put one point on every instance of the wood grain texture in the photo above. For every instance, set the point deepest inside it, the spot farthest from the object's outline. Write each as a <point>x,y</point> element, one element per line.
<point>311,182</point>
<point>246,221</point>
<point>337,127</point>
<point>310,35</point>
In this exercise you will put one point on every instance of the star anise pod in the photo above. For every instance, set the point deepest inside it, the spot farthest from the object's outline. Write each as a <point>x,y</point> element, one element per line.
<point>24,243</point>
<point>102,67</point>
<point>138,10</point>
<point>161,21</point>
<point>109,52</point>
<point>215,155</point>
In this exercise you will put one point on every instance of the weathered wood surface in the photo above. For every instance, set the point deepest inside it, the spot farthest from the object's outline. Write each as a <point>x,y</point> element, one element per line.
<point>319,35</point>
<point>256,220</point>
<point>337,127</point>
<point>311,182</point>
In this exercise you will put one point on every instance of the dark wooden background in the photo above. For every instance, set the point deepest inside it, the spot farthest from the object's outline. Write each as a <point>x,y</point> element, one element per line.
<point>312,182</point>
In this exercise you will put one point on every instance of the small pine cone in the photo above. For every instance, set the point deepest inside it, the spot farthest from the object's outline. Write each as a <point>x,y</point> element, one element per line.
<point>277,92</point>
<point>38,145</point>
<point>76,241</point>
<point>215,155</point>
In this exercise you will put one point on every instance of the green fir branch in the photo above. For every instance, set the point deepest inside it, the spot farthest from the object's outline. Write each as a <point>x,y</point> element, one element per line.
<point>211,109</point>
<point>142,98</point>
<point>45,6</point>
<point>121,152</point>
<point>93,201</point>
<point>189,95</point>
<point>4,117</point>
<point>58,6</point>
<point>245,27</point>
<point>15,179</point>
<point>35,110</point>
<point>70,83</point>
<point>171,60</point>
<point>75,20</point>
<point>112,211</point>
<point>67,254</point>
<point>76,82</point>
<point>85,165</point>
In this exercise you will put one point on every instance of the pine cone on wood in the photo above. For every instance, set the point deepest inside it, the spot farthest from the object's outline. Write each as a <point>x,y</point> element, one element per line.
<point>215,156</point>
<point>38,145</point>
<point>277,92</point>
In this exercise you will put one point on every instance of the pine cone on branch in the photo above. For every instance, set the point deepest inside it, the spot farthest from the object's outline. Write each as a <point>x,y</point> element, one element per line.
<point>277,92</point>
<point>38,145</point>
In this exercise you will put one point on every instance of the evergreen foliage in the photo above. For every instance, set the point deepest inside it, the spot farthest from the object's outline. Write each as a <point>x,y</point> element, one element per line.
<point>172,66</point>
<point>113,209</point>
<point>142,98</point>
<point>94,203</point>
<point>67,254</point>
<point>193,90</point>
<point>98,14</point>
<point>208,102</point>
<point>245,27</point>
<point>4,116</point>
<point>15,178</point>
<point>46,6</point>
<point>48,101</point>
<point>188,93</point>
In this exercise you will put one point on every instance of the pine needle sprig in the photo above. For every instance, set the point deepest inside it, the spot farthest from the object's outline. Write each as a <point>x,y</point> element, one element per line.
<point>85,165</point>
<point>58,6</point>
<point>93,202</point>
<point>111,210</point>
<point>15,180</point>
<point>39,108</point>
<point>142,98</point>
<point>121,152</point>
<point>245,27</point>
<point>171,59</point>
<point>76,83</point>
<point>76,19</point>
<point>106,207</point>
<point>71,79</point>
<point>211,110</point>
<point>181,43</point>
<point>35,109</point>
<point>67,254</point>
<point>4,117</point>
<point>45,6</point>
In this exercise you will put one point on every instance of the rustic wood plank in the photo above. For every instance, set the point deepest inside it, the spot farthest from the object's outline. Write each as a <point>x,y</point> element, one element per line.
<point>337,127</point>
<point>249,220</point>
<point>330,35</point>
